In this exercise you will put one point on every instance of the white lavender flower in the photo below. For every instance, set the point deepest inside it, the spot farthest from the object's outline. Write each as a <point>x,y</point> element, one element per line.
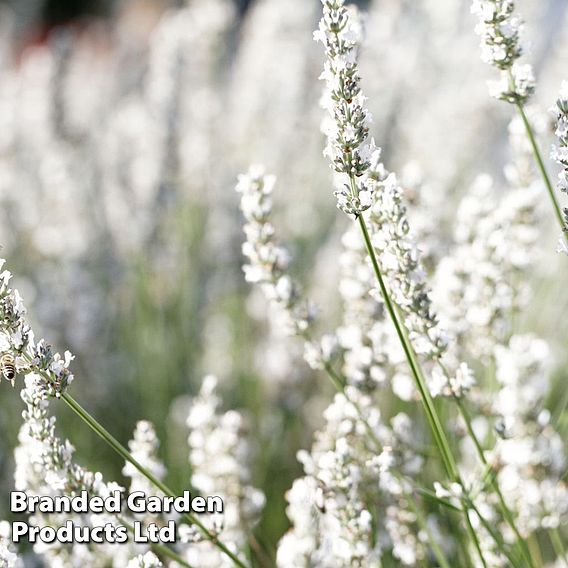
<point>220,454</point>
<point>319,354</point>
<point>529,454</point>
<point>479,284</point>
<point>147,560</point>
<point>297,546</point>
<point>45,466</point>
<point>351,154</point>
<point>372,351</point>
<point>400,261</point>
<point>50,369</point>
<point>8,557</point>
<point>387,221</point>
<point>337,509</point>
<point>500,30</point>
<point>268,261</point>
<point>144,449</point>
<point>560,152</point>
<point>456,386</point>
<point>518,87</point>
<point>335,485</point>
<point>44,462</point>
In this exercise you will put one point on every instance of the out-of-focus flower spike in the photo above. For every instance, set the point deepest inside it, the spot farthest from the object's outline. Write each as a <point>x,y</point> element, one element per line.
<point>267,260</point>
<point>500,32</point>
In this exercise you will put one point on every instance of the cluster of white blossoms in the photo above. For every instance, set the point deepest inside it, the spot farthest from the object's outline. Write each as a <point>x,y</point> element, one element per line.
<point>560,152</point>
<point>369,352</point>
<point>529,456</point>
<point>395,245</point>
<point>45,466</point>
<point>296,547</point>
<point>352,156</point>
<point>144,449</point>
<point>500,29</point>
<point>482,282</point>
<point>337,508</point>
<point>318,354</point>
<point>267,260</point>
<point>359,500</point>
<point>220,452</point>
<point>220,456</point>
<point>8,558</point>
<point>267,266</point>
<point>459,384</point>
<point>477,286</point>
<point>44,462</point>
<point>50,371</point>
<point>148,560</point>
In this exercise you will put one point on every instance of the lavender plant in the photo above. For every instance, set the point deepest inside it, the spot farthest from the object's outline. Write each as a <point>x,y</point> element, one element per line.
<point>442,442</point>
<point>500,30</point>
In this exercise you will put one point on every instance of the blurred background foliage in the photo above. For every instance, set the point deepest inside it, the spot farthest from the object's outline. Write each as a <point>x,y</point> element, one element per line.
<point>123,126</point>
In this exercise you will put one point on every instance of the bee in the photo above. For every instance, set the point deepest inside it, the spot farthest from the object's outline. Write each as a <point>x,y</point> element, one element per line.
<point>8,367</point>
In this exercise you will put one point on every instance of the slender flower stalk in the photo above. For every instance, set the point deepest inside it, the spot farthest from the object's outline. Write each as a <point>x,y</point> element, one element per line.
<point>220,456</point>
<point>348,149</point>
<point>540,163</point>
<point>267,260</point>
<point>355,162</point>
<point>500,32</point>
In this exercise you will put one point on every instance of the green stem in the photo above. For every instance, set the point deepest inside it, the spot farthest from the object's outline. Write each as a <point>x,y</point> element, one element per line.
<point>473,537</point>
<point>541,166</point>
<point>535,551</point>
<point>335,378</point>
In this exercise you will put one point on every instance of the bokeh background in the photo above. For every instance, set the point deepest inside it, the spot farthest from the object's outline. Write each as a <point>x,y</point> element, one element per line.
<point>123,126</point>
